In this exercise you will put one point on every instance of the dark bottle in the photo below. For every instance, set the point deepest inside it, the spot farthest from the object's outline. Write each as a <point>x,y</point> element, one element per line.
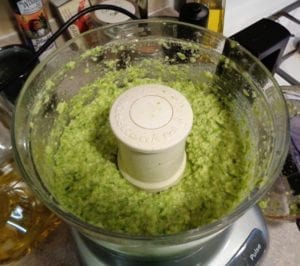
<point>194,13</point>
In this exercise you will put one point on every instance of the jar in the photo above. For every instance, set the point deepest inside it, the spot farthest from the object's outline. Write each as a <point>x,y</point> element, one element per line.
<point>103,17</point>
<point>33,22</point>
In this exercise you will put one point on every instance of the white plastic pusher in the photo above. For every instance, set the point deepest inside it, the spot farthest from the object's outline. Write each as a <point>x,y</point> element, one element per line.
<point>151,123</point>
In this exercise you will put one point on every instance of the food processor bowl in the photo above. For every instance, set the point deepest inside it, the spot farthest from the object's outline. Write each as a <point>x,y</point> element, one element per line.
<point>209,56</point>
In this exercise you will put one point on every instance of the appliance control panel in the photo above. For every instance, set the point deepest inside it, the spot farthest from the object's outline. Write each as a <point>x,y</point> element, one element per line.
<point>251,250</point>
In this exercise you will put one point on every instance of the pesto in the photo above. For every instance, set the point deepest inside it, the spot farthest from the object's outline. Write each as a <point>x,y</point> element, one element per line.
<point>81,153</point>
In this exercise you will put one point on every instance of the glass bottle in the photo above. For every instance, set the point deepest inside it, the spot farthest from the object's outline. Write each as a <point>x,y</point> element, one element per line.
<point>24,221</point>
<point>32,19</point>
<point>216,14</point>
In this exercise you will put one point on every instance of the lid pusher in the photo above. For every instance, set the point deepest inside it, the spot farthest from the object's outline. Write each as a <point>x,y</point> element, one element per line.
<point>151,123</point>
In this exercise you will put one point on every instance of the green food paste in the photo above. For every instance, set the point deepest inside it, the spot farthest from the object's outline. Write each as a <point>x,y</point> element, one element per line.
<point>81,153</point>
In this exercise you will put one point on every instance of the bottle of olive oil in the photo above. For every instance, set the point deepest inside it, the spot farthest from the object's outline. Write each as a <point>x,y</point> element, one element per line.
<point>216,14</point>
<point>24,220</point>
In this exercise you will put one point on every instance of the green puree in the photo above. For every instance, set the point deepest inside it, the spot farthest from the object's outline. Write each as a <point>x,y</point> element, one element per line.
<point>82,151</point>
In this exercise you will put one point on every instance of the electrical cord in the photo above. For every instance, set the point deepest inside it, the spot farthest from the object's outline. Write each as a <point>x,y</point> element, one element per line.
<point>14,85</point>
<point>81,13</point>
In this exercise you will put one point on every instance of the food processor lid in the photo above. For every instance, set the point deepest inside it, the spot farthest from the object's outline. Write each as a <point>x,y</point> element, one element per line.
<point>151,123</point>
<point>151,118</point>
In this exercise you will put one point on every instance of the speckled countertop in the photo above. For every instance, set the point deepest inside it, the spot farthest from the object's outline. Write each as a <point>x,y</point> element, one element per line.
<point>284,248</point>
<point>60,249</point>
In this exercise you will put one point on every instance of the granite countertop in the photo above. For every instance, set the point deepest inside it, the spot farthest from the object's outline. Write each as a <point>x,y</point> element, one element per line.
<point>60,249</point>
<point>284,245</point>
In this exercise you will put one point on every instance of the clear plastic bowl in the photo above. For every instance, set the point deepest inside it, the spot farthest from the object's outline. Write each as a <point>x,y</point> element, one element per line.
<point>239,73</point>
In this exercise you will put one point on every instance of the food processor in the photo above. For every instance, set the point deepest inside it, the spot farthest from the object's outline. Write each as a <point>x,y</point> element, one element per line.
<point>157,47</point>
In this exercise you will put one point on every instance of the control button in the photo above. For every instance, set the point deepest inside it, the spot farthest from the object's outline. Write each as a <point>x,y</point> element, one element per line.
<point>251,250</point>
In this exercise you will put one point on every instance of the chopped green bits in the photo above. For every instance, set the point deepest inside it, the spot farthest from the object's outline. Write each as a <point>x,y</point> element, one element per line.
<point>82,151</point>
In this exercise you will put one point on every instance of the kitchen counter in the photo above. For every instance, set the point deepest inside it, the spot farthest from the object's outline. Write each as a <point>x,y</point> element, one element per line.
<point>284,245</point>
<point>60,249</point>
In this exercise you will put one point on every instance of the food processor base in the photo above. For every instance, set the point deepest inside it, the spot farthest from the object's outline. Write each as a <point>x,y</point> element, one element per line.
<point>245,245</point>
